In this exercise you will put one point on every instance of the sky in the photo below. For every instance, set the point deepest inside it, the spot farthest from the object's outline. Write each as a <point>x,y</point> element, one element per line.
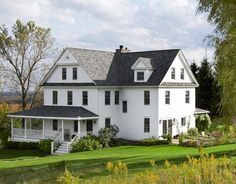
<point>105,24</point>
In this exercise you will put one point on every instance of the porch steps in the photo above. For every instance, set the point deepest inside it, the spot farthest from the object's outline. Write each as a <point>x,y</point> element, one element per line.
<point>62,149</point>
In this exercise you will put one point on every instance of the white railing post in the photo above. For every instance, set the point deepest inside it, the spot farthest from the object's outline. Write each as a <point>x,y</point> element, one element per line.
<point>25,128</point>
<point>62,128</point>
<point>78,133</point>
<point>43,128</point>
<point>11,127</point>
<point>52,148</point>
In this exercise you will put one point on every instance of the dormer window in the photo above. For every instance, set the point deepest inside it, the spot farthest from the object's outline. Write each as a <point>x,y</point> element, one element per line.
<point>172,73</point>
<point>63,73</point>
<point>75,73</point>
<point>140,76</point>
<point>182,74</point>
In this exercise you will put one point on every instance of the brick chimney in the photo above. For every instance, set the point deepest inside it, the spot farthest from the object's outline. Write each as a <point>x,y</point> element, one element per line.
<point>122,49</point>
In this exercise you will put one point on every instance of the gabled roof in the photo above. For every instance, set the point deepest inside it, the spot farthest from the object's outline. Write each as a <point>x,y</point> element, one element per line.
<point>115,69</point>
<point>66,112</point>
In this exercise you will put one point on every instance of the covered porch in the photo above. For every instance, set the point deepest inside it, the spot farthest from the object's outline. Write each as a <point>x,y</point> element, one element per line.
<point>50,122</point>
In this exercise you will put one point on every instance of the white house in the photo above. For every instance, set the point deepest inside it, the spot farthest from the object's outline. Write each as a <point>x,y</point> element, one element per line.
<point>148,93</point>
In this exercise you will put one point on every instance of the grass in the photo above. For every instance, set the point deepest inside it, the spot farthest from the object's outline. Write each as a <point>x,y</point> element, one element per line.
<point>87,164</point>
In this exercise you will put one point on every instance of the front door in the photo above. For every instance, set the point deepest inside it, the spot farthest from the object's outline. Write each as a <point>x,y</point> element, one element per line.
<point>167,127</point>
<point>89,126</point>
<point>66,134</point>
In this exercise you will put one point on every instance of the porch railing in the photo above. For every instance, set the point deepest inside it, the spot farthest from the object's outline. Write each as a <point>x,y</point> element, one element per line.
<point>69,144</point>
<point>56,143</point>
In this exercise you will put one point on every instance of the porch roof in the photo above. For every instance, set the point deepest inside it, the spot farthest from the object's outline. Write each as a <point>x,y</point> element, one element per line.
<point>201,111</point>
<point>56,112</point>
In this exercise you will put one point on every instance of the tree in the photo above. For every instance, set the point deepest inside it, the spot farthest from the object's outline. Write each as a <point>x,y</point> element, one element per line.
<point>223,15</point>
<point>24,55</point>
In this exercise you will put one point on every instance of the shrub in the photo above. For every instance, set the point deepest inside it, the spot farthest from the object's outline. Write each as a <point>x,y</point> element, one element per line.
<point>21,145</point>
<point>119,168</point>
<point>152,163</point>
<point>122,142</point>
<point>203,122</point>
<point>45,145</point>
<point>190,143</point>
<point>114,129</point>
<point>193,132</point>
<point>152,141</point>
<point>86,144</point>
<point>67,178</point>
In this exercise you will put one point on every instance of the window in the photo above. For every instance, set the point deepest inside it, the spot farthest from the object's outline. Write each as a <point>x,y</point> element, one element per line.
<point>167,97</point>
<point>76,126</point>
<point>107,97</point>
<point>85,97</point>
<point>117,97</point>
<point>63,73</point>
<point>187,94</point>
<point>69,98</point>
<point>146,125</point>
<point>182,74</point>
<point>124,106</point>
<point>54,97</point>
<point>183,121</point>
<point>172,73</point>
<point>146,97</point>
<point>140,76</point>
<point>74,73</point>
<point>107,122</point>
<point>55,125</point>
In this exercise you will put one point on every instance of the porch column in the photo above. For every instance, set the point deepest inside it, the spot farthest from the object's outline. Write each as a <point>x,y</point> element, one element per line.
<point>11,127</point>
<point>25,128</point>
<point>62,128</point>
<point>43,128</point>
<point>78,128</point>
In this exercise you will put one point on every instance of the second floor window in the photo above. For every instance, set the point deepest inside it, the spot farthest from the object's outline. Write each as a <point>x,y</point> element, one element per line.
<point>146,125</point>
<point>140,76</point>
<point>107,122</point>
<point>187,96</point>
<point>69,97</point>
<point>74,73</point>
<point>63,73</point>
<point>117,97</point>
<point>107,97</point>
<point>124,106</point>
<point>146,97</point>
<point>85,97</point>
<point>172,73</point>
<point>54,97</point>
<point>182,73</point>
<point>167,97</point>
<point>55,125</point>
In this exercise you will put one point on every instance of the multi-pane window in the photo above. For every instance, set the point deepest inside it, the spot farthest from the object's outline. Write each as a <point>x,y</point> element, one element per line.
<point>146,125</point>
<point>54,97</point>
<point>63,73</point>
<point>117,97</point>
<point>107,97</point>
<point>146,97</point>
<point>75,73</point>
<point>183,121</point>
<point>107,122</point>
<point>172,73</point>
<point>182,73</point>
<point>124,106</point>
<point>167,97</point>
<point>76,126</point>
<point>85,97</point>
<point>55,125</point>
<point>69,97</point>
<point>187,96</point>
<point>140,76</point>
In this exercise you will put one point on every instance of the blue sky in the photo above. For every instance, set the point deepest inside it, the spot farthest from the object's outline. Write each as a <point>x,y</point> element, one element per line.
<point>106,24</point>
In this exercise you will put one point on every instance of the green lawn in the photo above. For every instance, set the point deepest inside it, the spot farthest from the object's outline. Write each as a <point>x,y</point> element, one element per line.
<point>92,163</point>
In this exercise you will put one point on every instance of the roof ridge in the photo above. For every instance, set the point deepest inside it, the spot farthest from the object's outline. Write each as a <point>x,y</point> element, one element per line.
<point>94,50</point>
<point>151,51</point>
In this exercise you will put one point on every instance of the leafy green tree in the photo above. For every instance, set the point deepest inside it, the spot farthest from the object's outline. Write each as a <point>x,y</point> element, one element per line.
<point>4,123</point>
<point>24,55</point>
<point>203,122</point>
<point>223,15</point>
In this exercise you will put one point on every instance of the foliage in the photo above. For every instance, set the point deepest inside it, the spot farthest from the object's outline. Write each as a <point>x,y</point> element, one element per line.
<point>86,143</point>
<point>119,168</point>
<point>203,122</point>
<point>45,145</point>
<point>152,141</point>
<point>21,145</point>
<point>192,132</point>
<point>122,142</point>
<point>222,14</point>
<point>24,52</point>
<point>106,135</point>
<point>67,178</point>
<point>152,163</point>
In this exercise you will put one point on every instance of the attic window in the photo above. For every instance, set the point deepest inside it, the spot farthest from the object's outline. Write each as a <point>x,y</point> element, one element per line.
<point>67,57</point>
<point>140,76</point>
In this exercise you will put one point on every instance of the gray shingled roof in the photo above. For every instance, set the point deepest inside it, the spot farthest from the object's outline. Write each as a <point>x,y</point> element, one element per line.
<point>56,111</point>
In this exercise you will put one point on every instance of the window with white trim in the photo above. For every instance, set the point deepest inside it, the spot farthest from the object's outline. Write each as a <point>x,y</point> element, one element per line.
<point>172,73</point>
<point>167,97</point>
<point>146,125</point>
